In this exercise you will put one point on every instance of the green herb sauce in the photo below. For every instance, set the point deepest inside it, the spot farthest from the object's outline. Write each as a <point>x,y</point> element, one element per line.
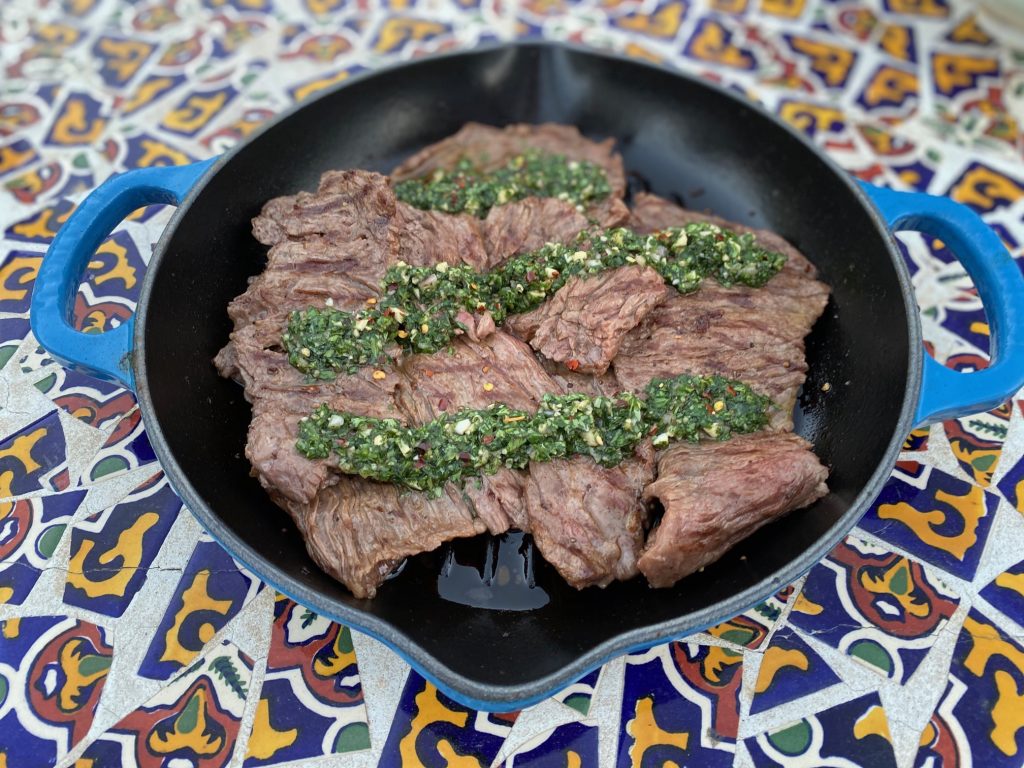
<point>419,306</point>
<point>471,443</point>
<point>531,174</point>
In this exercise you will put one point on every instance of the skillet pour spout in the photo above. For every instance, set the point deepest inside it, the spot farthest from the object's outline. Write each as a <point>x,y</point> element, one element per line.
<point>678,133</point>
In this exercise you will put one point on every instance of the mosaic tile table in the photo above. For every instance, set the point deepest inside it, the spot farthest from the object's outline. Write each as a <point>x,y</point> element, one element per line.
<point>127,638</point>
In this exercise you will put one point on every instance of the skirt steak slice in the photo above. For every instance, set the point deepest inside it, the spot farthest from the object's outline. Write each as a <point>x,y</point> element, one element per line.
<point>710,505</point>
<point>751,334</point>
<point>489,148</point>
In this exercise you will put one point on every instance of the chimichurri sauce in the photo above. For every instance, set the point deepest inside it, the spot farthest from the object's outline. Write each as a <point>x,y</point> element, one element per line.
<point>531,174</point>
<point>419,307</point>
<point>471,443</point>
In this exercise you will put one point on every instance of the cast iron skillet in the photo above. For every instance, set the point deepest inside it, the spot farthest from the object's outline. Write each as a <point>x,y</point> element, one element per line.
<point>678,135</point>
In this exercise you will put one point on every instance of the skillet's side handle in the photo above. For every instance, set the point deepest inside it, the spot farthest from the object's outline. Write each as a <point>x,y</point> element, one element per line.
<point>105,356</point>
<point>945,393</point>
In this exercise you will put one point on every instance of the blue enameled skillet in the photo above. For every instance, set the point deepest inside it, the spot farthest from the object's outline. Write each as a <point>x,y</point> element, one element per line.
<point>676,133</point>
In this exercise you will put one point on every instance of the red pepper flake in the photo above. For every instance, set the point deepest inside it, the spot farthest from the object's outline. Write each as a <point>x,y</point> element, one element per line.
<point>573,364</point>
<point>730,390</point>
<point>428,373</point>
<point>487,439</point>
<point>443,403</point>
<point>719,237</point>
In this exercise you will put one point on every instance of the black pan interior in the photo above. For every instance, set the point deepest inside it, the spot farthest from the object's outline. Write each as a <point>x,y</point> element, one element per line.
<point>680,138</point>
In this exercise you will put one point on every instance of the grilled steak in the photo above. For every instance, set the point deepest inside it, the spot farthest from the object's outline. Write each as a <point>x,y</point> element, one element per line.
<point>597,335</point>
<point>490,148</point>
<point>358,530</point>
<point>715,494</point>
<point>585,322</point>
<point>588,520</point>
<point>751,334</point>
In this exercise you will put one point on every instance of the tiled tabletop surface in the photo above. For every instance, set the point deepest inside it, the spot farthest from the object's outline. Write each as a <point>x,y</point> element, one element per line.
<point>127,638</point>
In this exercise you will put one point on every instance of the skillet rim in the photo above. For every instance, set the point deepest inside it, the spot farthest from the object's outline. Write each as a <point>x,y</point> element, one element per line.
<point>489,696</point>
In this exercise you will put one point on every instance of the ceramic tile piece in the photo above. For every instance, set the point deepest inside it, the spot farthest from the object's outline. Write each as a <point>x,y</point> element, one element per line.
<point>30,530</point>
<point>112,550</point>
<point>977,440</point>
<point>917,440</point>
<point>311,704</point>
<point>13,331</point>
<point>430,729</point>
<point>790,669</point>
<point>126,448</point>
<point>939,518</point>
<point>984,186</point>
<point>854,733</point>
<point>579,695</point>
<point>979,719</point>
<point>213,588</point>
<point>572,744</point>
<point>1006,592</point>
<point>1011,485</point>
<point>941,745</point>
<point>680,702</point>
<point>99,404</point>
<point>17,274</point>
<point>751,628</point>
<point>116,270</point>
<point>967,320</point>
<point>41,226</point>
<point>880,608</point>
<point>192,721</point>
<point>52,672</point>
<point>32,458</point>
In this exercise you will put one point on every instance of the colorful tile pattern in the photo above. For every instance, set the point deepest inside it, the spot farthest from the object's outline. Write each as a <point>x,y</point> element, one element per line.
<point>430,729</point>
<point>876,606</point>
<point>979,715</point>
<point>855,733</point>
<point>936,517</point>
<point>195,719</point>
<point>917,94</point>
<point>790,668</point>
<point>1011,485</point>
<point>212,590</point>
<point>111,551</point>
<point>751,628</point>
<point>681,703</point>
<point>57,667</point>
<point>570,744</point>
<point>30,530</point>
<point>579,695</point>
<point>311,703</point>
<point>1006,592</point>
<point>32,458</point>
<point>126,448</point>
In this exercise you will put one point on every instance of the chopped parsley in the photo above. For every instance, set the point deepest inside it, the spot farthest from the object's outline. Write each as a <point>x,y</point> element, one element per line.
<point>531,174</point>
<point>471,443</point>
<point>419,307</point>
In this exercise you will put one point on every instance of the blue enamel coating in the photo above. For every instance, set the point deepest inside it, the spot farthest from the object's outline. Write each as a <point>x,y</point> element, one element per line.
<point>105,356</point>
<point>946,393</point>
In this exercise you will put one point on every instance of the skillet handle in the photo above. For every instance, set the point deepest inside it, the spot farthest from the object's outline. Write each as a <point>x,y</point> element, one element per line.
<point>945,393</point>
<point>105,356</point>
